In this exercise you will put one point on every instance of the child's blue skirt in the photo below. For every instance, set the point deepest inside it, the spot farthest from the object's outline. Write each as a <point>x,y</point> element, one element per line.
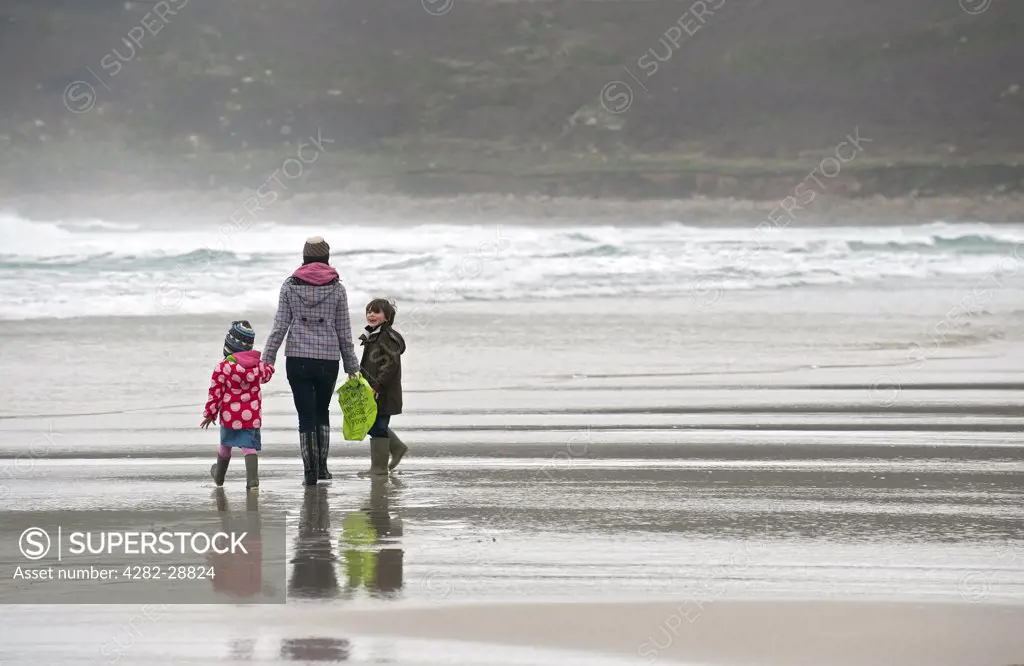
<point>246,438</point>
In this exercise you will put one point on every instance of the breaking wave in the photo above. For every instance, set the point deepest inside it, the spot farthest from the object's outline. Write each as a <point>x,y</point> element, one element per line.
<point>86,268</point>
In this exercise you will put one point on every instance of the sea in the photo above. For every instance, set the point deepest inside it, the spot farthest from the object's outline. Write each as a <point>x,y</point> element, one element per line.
<point>96,268</point>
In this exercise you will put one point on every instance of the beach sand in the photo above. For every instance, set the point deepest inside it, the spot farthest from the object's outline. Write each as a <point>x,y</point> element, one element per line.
<point>702,488</point>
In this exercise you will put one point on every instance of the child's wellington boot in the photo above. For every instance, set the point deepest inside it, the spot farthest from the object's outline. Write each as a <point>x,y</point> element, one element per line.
<point>378,456</point>
<point>397,449</point>
<point>252,472</point>
<point>219,470</point>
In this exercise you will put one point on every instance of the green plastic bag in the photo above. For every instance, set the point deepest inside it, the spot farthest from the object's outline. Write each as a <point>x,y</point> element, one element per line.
<point>358,408</point>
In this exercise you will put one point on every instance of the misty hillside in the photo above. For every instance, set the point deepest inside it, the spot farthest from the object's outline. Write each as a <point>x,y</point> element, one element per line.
<point>515,83</point>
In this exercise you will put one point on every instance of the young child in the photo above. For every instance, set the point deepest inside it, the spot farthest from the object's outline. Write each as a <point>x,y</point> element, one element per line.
<point>383,347</point>
<point>235,397</point>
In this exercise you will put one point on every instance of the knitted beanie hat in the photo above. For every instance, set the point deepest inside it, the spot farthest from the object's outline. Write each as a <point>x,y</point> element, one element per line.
<point>240,338</point>
<point>316,248</point>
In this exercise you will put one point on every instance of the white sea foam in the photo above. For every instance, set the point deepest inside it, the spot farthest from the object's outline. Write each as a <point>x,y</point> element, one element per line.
<point>93,267</point>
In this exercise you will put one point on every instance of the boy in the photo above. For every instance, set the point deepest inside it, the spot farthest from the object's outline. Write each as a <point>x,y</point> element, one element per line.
<point>381,364</point>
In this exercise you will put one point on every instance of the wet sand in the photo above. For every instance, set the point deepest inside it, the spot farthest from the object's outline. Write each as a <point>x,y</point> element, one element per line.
<point>743,547</point>
<point>802,633</point>
<point>780,558</point>
<point>758,499</point>
<point>734,632</point>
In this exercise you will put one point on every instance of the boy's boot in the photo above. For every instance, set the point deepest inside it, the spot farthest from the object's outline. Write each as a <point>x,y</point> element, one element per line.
<point>219,469</point>
<point>397,449</point>
<point>252,472</point>
<point>323,440</point>
<point>378,456</point>
<point>310,459</point>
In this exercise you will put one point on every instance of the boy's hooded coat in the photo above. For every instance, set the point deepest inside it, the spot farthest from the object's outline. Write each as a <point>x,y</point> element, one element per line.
<point>382,366</point>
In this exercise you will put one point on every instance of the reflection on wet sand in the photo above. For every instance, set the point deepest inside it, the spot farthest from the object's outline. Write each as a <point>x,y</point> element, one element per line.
<point>239,575</point>
<point>315,649</point>
<point>313,574</point>
<point>369,554</point>
<point>366,535</point>
<point>242,649</point>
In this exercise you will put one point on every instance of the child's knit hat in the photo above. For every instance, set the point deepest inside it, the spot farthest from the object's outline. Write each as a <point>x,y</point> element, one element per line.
<point>240,338</point>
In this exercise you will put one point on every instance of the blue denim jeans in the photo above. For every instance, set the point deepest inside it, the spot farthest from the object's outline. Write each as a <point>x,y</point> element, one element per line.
<point>380,426</point>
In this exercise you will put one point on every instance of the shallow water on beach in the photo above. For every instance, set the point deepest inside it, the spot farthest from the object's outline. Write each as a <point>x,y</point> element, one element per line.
<point>907,526</point>
<point>559,453</point>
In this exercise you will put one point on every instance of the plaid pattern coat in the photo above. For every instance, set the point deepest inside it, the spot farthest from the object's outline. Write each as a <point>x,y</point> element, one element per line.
<point>314,317</point>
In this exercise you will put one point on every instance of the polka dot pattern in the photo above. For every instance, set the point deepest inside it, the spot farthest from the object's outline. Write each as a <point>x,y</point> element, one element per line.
<point>235,395</point>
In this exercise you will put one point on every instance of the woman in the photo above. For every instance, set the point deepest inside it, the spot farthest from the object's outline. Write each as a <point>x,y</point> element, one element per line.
<point>313,311</point>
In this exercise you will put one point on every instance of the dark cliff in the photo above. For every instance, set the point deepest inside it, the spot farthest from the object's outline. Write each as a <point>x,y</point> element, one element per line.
<point>714,95</point>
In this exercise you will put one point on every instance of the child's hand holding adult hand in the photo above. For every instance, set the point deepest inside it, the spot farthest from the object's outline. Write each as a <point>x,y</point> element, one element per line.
<point>206,423</point>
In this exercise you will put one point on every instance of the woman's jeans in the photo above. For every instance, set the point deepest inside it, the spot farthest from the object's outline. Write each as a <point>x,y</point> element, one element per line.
<point>380,426</point>
<point>312,381</point>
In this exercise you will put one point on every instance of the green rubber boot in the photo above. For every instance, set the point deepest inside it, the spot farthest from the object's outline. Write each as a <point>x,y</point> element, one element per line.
<point>219,470</point>
<point>396,448</point>
<point>252,472</point>
<point>379,451</point>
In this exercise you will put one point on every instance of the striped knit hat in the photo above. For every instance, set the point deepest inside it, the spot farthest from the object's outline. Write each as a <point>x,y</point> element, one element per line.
<point>316,248</point>
<point>240,338</point>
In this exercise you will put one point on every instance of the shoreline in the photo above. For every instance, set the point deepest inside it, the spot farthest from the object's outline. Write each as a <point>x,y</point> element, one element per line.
<point>220,206</point>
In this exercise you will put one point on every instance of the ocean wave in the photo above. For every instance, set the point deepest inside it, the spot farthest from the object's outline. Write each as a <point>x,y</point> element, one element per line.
<point>88,268</point>
<point>601,250</point>
<point>973,243</point>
